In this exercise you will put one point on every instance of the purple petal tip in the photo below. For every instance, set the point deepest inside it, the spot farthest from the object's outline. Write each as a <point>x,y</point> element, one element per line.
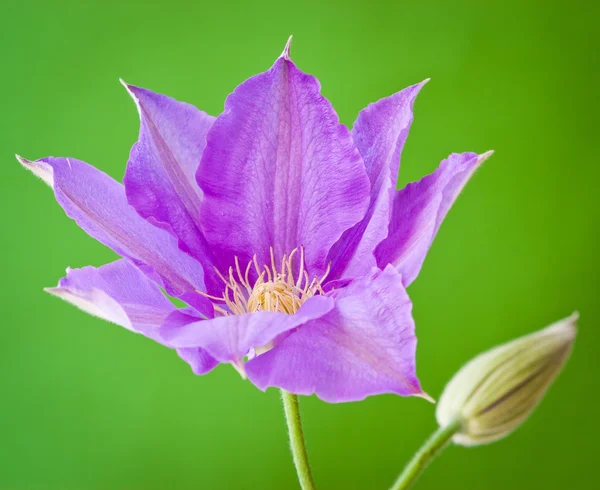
<point>484,156</point>
<point>21,160</point>
<point>39,168</point>
<point>286,51</point>
<point>426,396</point>
<point>127,86</point>
<point>130,88</point>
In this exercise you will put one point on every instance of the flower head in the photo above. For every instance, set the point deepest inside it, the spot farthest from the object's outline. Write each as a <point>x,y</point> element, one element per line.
<point>497,390</point>
<point>281,229</point>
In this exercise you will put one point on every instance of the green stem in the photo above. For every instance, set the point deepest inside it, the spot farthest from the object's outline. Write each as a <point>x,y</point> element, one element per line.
<point>294,424</point>
<point>428,451</point>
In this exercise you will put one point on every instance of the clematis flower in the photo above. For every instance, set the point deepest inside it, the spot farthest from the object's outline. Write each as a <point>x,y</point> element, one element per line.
<point>281,229</point>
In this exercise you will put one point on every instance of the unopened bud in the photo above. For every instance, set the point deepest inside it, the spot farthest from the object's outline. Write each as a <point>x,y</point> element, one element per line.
<point>496,391</point>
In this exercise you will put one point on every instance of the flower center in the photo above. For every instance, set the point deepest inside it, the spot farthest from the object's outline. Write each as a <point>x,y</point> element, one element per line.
<point>279,289</point>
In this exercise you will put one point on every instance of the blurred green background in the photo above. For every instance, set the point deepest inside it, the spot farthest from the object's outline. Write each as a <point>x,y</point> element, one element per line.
<point>87,405</point>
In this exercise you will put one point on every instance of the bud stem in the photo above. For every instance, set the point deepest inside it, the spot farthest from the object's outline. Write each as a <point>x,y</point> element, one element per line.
<point>428,451</point>
<point>297,445</point>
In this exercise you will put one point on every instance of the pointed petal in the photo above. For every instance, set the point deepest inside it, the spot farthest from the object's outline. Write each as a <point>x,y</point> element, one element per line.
<point>287,49</point>
<point>117,292</point>
<point>364,346</point>
<point>160,179</point>
<point>98,204</point>
<point>379,133</point>
<point>230,338</point>
<point>280,171</point>
<point>418,211</point>
<point>199,360</point>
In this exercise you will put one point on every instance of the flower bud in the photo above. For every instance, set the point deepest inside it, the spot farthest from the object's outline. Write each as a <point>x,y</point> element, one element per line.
<point>497,390</point>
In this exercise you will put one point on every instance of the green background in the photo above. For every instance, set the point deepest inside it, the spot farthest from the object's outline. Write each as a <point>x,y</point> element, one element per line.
<point>88,405</point>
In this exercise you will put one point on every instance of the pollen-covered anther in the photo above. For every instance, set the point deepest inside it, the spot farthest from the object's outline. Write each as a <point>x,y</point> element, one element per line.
<point>278,289</point>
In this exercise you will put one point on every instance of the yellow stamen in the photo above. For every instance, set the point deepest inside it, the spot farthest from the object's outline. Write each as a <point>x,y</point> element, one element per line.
<point>277,290</point>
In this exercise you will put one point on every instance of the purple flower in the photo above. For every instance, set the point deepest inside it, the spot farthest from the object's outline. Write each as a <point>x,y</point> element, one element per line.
<point>282,231</point>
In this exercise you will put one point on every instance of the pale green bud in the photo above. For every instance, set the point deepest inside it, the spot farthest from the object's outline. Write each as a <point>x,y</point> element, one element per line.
<point>496,391</point>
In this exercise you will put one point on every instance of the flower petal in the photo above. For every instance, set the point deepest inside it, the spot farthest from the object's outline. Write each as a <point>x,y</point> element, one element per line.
<point>230,338</point>
<point>418,211</point>
<point>160,179</point>
<point>379,133</point>
<point>364,346</point>
<point>117,292</point>
<point>199,360</point>
<point>280,171</point>
<point>98,204</point>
